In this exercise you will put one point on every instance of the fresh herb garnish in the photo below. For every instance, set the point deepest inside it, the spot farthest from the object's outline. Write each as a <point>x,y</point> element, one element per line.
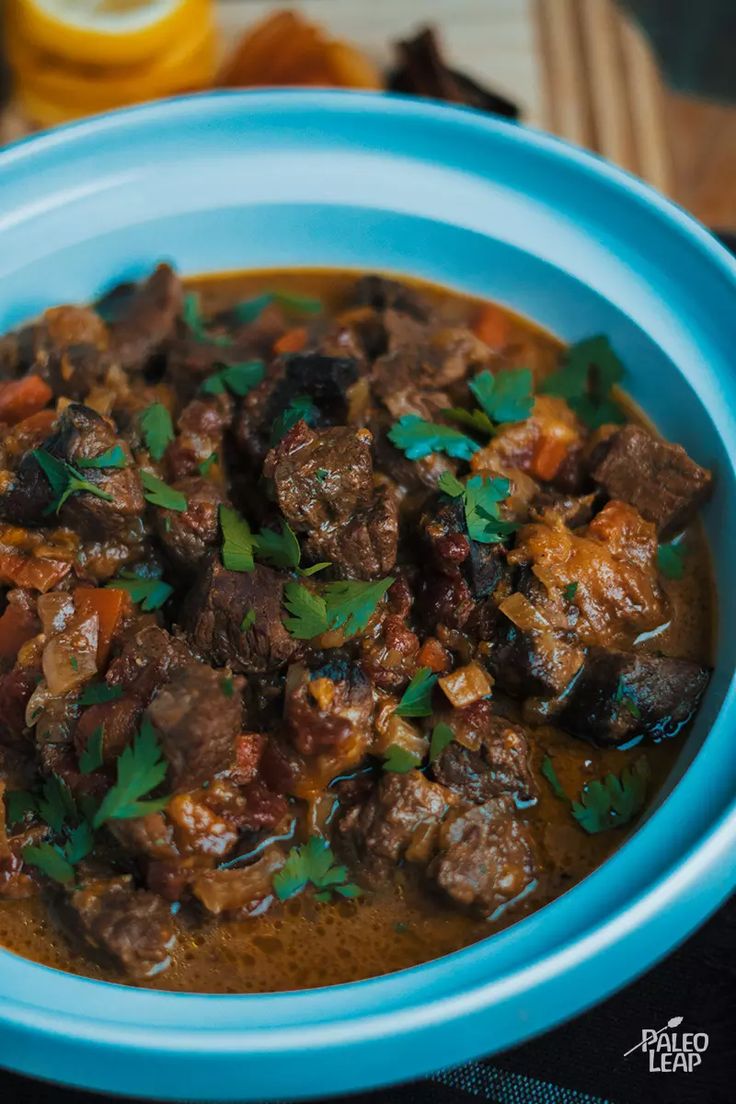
<point>278,549</point>
<point>299,409</point>
<point>588,372</point>
<point>193,319</point>
<point>161,494</point>
<point>236,378</point>
<point>80,842</point>
<point>91,758</point>
<point>474,419</point>
<point>671,560</point>
<point>507,395</point>
<point>249,310</point>
<point>157,429</point>
<point>227,686</point>
<point>206,465</point>
<point>613,801</point>
<point>549,772</point>
<point>74,663</point>
<point>238,541</point>
<point>140,769</point>
<point>113,458</point>
<point>398,760</point>
<point>313,864</point>
<point>307,571</point>
<point>65,481</point>
<point>248,621</point>
<point>442,736</point>
<point>57,808</point>
<point>308,612</point>
<point>622,697</point>
<point>17,804</point>
<point>49,859</point>
<point>481,495</point>
<point>150,593</point>
<point>95,693</point>
<point>342,605</point>
<point>321,474</point>
<point>418,438</point>
<point>55,804</point>
<point>416,701</point>
<point>570,591</point>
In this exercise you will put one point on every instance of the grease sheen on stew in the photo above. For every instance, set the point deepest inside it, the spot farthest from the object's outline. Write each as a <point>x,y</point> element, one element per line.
<point>225,772</point>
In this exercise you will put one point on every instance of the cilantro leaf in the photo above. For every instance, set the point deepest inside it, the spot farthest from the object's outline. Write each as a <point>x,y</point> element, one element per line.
<point>193,319</point>
<point>671,560</point>
<point>482,495</point>
<point>140,769</point>
<point>350,605</point>
<point>248,621</point>
<point>237,378</point>
<point>451,485</point>
<point>588,372</point>
<point>91,758</point>
<point>299,409</point>
<point>312,863</point>
<point>507,396</point>
<point>206,465</point>
<point>400,761</point>
<point>570,591</point>
<point>442,736</point>
<point>157,429</point>
<point>308,612</point>
<point>150,593</point>
<point>416,701</point>
<point>476,420</point>
<point>418,438</point>
<point>281,550</point>
<point>549,772</point>
<point>613,801</point>
<point>113,458</point>
<point>79,844</point>
<point>56,806</point>
<point>95,693</point>
<point>65,481</point>
<point>50,860</point>
<point>17,804</point>
<point>238,541</point>
<point>161,494</point>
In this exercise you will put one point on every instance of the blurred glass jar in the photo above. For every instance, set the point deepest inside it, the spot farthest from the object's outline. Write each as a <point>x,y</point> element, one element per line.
<point>76,57</point>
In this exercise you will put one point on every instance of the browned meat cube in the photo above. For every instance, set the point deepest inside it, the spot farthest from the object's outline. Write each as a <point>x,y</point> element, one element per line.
<point>187,535</point>
<point>148,320</point>
<point>658,478</point>
<point>398,820</point>
<point>495,763</point>
<point>146,661</point>
<point>132,927</point>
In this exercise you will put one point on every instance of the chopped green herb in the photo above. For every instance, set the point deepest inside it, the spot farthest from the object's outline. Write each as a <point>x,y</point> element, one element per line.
<point>56,805</point>
<point>206,466</point>
<point>17,804</point>
<point>249,310</point>
<point>671,560</point>
<point>79,844</point>
<point>193,319</point>
<point>50,860</point>
<point>418,438</point>
<point>321,474</point>
<point>343,605</point>
<point>157,429</point>
<point>161,494</point>
<point>65,481</point>
<point>308,612</point>
<point>476,420</point>
<point>299,409</point>
<point>113,458</point>
<point>481,495</point>
<point>507,395</point>
<point>227,686</point>
<point>613,801</point>
<point>416,701</point>
<point>279,549</point>
<point>95,693</point>
<point>74,663</point>
<point>248,621</point>
<point>442,736</point>
<point>549,772</point>
<point>312,864</point>
<point>237,378</point>
<point>570,591</point>
<point>238,541</point>
<point>588,372</point>
<point>150,593</point>
<point>626,699</point>
<point>91,758</point>
<point>140,769</point>
<point>451,485</point>
<point>307,571</point>
<point>398,760</point>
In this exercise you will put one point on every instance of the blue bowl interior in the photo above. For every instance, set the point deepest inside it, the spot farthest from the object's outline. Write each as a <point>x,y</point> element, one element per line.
<point>269,180</point>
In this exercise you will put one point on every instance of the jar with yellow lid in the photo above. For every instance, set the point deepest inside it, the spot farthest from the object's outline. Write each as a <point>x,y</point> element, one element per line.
<point>76,57</point>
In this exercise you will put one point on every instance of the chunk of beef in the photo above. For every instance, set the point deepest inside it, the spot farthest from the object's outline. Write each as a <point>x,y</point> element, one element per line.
<point>619,695</point>
<point>148,658</point>
<point>366,545</point>
<point>389,653</point>
<point>148,319</point>
<point>16,688</point>
<point>239,889</point>
<point>486,856</point>
<point>382,294</point>
<point>67,348</point>
<point>213,612</point>
<point>131,926</point>
<point>573,510</point>
<point>201,429</point>
<point>187,535</point>
<point>197,713</point>
<point>209,821</point>
<point>489,756</point>
<point>328,712</point>
<point>119,721</point>
<point>483,566</point>
<point>546,445</point>
<point>658,478</point>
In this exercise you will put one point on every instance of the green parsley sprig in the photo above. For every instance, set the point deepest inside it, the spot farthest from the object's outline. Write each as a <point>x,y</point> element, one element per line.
<point>418,438</point>
<point>416,701</point>
<point>65,481</point>
<point>301,408</point>
<point>481,496</point>
<point>399,760</point>
<point>239,379</point>
<point>249,310</point>
<point>341,605</point>
<point>589,370</point>
<point>161,494</point>
<point>613,801</point>
<point>313,864</point>
<point>191,314</point>
<point>157,429</point>
<point>506,396</point>
<point>140,769</point>
<point>112,458</point>
<point>150,594</point>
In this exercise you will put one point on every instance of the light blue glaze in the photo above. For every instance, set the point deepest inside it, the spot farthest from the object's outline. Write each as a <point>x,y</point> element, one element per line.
<point>272,179</point>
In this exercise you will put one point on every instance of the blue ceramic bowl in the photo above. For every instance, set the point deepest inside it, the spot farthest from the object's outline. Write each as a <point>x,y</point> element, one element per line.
<point>275,179</point>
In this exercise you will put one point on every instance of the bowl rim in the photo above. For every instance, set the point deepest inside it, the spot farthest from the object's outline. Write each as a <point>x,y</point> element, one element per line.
<point>454,988</point>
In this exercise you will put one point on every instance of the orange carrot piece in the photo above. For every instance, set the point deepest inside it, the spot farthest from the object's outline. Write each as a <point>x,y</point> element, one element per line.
<point>492,326</point>
<point>293,341</point>
<point>432,654</point>
<point>548,457</point>
<point>17,625</point>
<point>23,397</point>
<point>109,606</point>
<point>27,571</point>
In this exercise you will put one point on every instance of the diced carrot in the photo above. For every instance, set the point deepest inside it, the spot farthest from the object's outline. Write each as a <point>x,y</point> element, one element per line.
<point>109,605</point>
<point>292,341</point>
<point>548,457</point>
<point>432,654</point>
<point>17,625</point>
<point>492,326</point>
<point>31,572</point>
<point>466,685</point>
<point>23,397</point>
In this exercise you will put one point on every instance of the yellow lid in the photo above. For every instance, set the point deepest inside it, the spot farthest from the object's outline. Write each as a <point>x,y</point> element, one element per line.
<point>106,32</point>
